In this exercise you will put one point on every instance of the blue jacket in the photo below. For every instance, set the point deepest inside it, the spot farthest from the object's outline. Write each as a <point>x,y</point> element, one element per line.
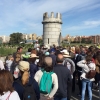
<point>20,88</point>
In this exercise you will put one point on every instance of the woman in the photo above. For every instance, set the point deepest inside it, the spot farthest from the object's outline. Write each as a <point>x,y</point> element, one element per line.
<point>6,90</point>
<point>25,80</point>
<point>39,76</point>
<point>86,66</point>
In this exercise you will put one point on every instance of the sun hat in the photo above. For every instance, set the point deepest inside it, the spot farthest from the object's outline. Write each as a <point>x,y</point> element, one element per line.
<point>46,47</point>
<point>33,56</point>
<point>23,66</point>
<point>65,53</point>
<point>48,61</point>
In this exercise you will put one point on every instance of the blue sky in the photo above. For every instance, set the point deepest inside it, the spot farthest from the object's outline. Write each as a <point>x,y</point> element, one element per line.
<point>80,17</point>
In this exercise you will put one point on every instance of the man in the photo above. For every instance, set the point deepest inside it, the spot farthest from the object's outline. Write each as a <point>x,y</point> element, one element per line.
<point>17,55</point>
<point>64,77</point>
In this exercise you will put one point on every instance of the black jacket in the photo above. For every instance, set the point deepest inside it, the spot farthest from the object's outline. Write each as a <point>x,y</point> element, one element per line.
<point>64,78</point>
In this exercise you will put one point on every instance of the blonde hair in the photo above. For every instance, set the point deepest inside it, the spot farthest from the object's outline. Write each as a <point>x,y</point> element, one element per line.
<point>25,77</point>
<point>10,56</point>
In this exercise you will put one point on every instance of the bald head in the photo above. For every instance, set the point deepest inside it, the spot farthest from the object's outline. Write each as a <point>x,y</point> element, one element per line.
<point>59,58</point>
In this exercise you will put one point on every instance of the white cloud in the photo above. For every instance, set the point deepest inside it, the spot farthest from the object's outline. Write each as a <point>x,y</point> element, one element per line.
<point>85,25</point>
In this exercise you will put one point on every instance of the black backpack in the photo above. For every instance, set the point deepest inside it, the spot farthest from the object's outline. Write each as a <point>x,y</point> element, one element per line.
<point>29,93</point>
<point>78,58</point>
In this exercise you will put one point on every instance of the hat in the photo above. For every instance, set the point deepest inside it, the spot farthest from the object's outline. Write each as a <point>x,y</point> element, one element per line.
<point>65,53</point>
<point>46,46</point>
<point>72,49</point>
<point>23,66</point>
<point>47,53</point>
<point>33,56</point>
<point>48,61</point>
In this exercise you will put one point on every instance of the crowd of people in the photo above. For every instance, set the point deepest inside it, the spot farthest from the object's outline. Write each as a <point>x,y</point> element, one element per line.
<point>52,73</point>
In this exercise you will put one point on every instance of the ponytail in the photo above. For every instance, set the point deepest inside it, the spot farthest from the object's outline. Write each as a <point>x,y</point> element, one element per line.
<point>25,77</point>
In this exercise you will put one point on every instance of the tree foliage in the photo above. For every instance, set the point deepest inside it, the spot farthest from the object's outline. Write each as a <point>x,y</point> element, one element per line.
<point>16,38</point>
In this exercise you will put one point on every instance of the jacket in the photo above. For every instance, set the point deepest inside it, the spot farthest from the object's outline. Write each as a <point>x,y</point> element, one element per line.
<point>10,95</point>
<point>33,69</point>
<point>86,68</point>
<point>20,89</point>
<point>64,77</point>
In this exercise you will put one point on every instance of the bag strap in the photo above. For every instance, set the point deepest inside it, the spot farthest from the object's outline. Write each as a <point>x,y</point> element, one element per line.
<point>8,96</point>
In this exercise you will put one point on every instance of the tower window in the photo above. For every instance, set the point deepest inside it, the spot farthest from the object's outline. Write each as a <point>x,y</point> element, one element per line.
<point>48,40</point>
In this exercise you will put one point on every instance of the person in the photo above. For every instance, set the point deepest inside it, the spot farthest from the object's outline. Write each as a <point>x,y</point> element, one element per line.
<point>17,55</point>
<point>25,80</point>
<point>78,57</point>
<point>1,65</point>
<point>7,92</point>
<point>9,62</point>
<point>64,77</point>
<point>38,77</point>
<point>53,56</point>
<point>97,62</point>
<point>86,66</point>
<point>68,62</point>
<point>36,45</point>
<point>33,66</point>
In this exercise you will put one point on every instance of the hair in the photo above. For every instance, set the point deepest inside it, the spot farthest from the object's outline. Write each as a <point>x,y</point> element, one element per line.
<point>88,58</point>
<point>29,49</point>
<point>34,51</point>
<point>6,81</point>
<point>98,56</point>
<point>24,77</point>
<point>48,68</point>
<point>77,50</point>
<point>59,59</point>
<point>41,61</point>
<point>19,48</point>
<point>32,60</point>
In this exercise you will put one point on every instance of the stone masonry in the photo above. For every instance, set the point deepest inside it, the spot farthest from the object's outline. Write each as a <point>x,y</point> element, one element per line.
<point>52,29</point>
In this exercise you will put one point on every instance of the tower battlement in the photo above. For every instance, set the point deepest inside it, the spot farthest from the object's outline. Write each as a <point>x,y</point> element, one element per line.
<point>52,18</point>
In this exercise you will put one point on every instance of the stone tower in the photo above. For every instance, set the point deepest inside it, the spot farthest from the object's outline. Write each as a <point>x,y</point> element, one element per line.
<point>52,29</point>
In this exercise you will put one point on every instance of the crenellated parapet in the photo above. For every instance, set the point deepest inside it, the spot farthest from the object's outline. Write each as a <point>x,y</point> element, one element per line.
<point>52,18</point>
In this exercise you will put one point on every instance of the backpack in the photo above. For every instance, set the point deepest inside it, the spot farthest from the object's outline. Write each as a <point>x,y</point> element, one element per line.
<point>78,58</point>
<point>91,74</point>
<point>29,93</point>
<point>46,82</point>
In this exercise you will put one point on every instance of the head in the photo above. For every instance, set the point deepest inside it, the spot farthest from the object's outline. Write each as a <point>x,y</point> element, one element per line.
<point>48,64</point>
<point>88,58</point>
<point>98,56</point>
<point>10,57</point>
<point>41,61</point>
<point>34,51</point>
<point>77,50</point>
<point>6,81</point>
<point>59,58</point>
<point>19,49</point>
<point>29,49</point>
<point>24,69</point>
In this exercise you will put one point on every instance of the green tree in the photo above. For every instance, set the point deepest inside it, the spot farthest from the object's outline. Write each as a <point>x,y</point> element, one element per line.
<point>40,41</point>
<point>16,38</point>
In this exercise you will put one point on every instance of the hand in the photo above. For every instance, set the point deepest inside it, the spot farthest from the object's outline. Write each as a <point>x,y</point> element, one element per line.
<point>48,98</point>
